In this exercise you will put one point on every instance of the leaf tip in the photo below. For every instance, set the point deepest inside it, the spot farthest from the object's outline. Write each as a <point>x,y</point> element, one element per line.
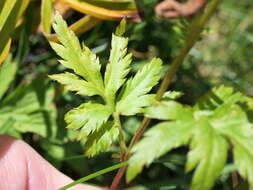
<point>120,30</point>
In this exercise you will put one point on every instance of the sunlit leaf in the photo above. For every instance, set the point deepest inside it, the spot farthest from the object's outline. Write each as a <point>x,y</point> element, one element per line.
<point>8,6</point>
<point>74,83</point>
<point>101,139</point>
<point>8,23</point>
<point>240,133</point>
<point>208,153</point>
<point>157,141</point>
<point>81,60</point>
<point>118,66</point>
<point>168,110</point>
<point>134,96</point>
<point>218,120</point>
<point>88,117</point>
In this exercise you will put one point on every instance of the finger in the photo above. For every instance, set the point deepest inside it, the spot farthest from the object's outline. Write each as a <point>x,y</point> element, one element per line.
<point>192,7</point>
<point>171,14</point>
<point>166,6</point>
<point>24,169</point>
<point>161,6</point>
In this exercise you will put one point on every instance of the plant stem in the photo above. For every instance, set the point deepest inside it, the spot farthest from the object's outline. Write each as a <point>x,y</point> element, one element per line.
<point>122,142</point>
<point>98,173</point>
<point>195,30</point>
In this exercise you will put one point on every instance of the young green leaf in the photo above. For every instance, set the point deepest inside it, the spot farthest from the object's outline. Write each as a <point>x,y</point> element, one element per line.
<point>74,83</point>
<point>208,153</point>
<point>216,97</point>
<point>240,133</point>
<point>81,60</point>
<point>168,110</point>
<point>88,116</point>
<point>120,30</point>
<point>118,66</point>
<point>101,139</point>
<point>216,121</point>
<point>243,158</point>
<point>134,96</point>
<point>167,135</point>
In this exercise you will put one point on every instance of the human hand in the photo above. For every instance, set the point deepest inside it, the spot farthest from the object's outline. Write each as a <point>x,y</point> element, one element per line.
<point>174,9</point>
<point>24,169</point>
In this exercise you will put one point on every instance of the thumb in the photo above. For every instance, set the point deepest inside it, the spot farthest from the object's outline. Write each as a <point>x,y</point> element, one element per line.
<point>24,169</point>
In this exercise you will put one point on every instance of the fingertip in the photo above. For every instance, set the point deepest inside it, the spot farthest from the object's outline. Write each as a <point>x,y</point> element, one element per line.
<point>19,162</point>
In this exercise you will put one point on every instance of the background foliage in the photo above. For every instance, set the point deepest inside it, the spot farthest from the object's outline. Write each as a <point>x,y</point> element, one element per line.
<point>223,56</point>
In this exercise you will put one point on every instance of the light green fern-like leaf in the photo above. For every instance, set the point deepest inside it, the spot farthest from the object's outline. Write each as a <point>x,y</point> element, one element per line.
<point>208,153</point>
<point>240,133</point>
<point>157,141</point>
<point>88,117</point>
<point>134,96</point>
<point>81,60</point>
<point>218,96</point>
<point>168,110</point>
<point>120,30</point>
<point>243,158</point>
<point>74,83</point>
<point>118,66</point>
<point>219,119</point>
<point>92,118</point>
<point>101,139</point>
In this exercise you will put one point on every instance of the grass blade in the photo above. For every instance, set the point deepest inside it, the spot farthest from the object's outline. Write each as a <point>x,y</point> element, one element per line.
<point>10,21</point>
<point>8,6</point>
<point>91,176</point>
<point>46,15</point>
<point>4,54</point>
